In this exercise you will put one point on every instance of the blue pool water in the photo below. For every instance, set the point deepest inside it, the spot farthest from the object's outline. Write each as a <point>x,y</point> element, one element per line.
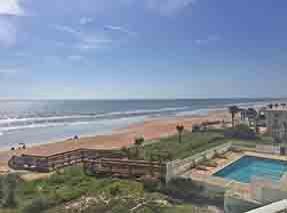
<point>248,166</point>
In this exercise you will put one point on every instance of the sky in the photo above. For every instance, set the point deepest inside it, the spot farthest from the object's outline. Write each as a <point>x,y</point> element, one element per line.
<point>114,49</point>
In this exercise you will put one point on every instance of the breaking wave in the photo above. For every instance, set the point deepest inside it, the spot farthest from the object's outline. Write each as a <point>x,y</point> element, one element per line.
<point>12,124</point>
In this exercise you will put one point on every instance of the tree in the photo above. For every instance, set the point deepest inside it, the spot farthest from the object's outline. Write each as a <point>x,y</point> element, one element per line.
<point>179,129</point>
<point>233,110</point>
<point>138,143</point>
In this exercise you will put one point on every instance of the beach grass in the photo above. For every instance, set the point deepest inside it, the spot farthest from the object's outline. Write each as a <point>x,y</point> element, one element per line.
<point>191,144</point>
<point>68,185</point>
<point>72,184</point>
<point>196,142</point>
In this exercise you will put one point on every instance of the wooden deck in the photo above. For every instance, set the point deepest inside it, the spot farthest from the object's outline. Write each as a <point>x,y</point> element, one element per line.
<point>101,162</point>
<point>127,168</point>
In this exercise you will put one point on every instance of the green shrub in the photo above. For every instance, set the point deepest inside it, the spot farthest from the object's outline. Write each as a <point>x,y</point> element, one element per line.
<point>37,205</point>
<point>10,183</point>
<point>2,193</point>
<point>240,132</point>
<point>182,188</point>
<point>150,184</point>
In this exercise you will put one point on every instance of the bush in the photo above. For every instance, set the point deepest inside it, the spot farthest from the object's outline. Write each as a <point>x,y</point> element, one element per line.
<point>2,193</point>
<point>182,188</point>
<point>196,128</point>
<point>37,205</point>
<point>151,184</point>
<point>9,199</point>
<point>240,132</point>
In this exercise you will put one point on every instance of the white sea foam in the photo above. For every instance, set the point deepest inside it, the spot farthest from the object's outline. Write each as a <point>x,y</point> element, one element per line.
<point>51,125</point>
<point>75,117</point>
<point>204,111</point>
<point>11,128</point>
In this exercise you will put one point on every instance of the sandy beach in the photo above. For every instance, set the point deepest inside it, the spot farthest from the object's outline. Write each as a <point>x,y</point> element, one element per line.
<point>150,130</point>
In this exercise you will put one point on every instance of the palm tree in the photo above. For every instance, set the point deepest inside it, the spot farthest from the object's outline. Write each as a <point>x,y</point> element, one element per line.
<point>179,129</point>
<point>233,110</point>
<point>138,143</point>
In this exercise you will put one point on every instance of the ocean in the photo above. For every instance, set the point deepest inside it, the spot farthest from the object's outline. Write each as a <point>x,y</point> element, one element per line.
<point>42,121</point>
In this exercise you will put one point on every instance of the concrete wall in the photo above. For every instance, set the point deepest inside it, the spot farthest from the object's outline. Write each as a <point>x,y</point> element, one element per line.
<point>267,191</point>
<point>209,187</point>
<point>270,149</point>
<point>177,167</point>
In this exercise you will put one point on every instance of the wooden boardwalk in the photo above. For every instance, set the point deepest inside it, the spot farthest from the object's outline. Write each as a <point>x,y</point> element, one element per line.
<point>127,168</point>
<point>101,162</point>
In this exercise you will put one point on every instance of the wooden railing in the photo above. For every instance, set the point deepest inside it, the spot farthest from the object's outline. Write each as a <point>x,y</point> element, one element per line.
<point>52,162</point>
<point>104,162</point>
<point>127,168</point>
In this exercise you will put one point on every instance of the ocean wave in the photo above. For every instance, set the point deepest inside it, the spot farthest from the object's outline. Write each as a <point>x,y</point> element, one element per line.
<point>12,128</point>
<point>13,124</point>
<point>88,116</point>
<point>201,112</point>
<point>101,122</point>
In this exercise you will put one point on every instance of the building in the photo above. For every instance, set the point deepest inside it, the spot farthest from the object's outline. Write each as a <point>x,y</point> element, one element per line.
<point>276,122</point>
<point>248,117</point>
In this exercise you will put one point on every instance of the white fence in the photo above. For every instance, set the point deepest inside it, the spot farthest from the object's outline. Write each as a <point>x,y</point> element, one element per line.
<point>177,167</point>
<point>270,149</point>
<point>266,191</point>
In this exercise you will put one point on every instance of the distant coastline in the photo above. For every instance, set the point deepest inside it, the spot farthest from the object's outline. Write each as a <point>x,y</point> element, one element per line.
<point>43,121</point>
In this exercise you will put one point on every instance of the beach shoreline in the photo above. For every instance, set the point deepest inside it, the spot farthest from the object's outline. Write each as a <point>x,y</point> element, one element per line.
<point>151,130</point>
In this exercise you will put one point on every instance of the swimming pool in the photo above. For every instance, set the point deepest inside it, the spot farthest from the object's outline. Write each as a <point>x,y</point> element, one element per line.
<point>247,167</point>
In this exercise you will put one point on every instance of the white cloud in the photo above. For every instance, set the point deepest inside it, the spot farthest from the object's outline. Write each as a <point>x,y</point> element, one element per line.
<point>209,39</point>
<point>168,7</point>
<point>163,7</point>
<point>119,29</point>
<point>8,30</point>
<point>86,40</point>
<point>11,7</point>
<point>67,29</point>
<point>96,44</point>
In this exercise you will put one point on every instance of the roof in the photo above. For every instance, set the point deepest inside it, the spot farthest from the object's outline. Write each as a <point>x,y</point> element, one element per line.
<point>277,109</point>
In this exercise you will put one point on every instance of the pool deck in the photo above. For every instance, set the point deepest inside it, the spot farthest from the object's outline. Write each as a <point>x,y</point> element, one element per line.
<point>231,158</point>
<point>239,189</point>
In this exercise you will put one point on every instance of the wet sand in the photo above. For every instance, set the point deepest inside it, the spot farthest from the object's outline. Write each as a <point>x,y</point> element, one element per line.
<point>150,130</point>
